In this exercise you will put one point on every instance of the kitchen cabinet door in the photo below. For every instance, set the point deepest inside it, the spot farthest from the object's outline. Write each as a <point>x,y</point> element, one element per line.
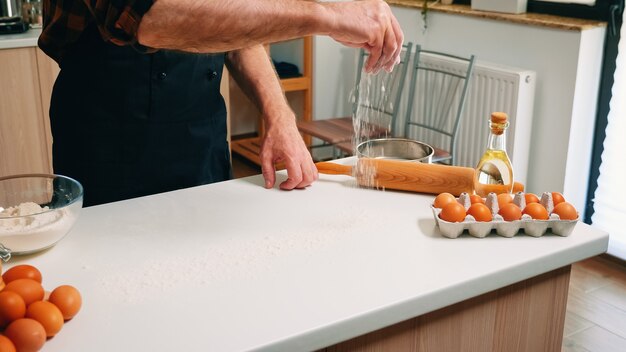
<point>25,142</point>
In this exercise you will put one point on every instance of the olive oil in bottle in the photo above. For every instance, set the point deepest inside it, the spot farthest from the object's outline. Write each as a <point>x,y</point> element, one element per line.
<point>494,172</point>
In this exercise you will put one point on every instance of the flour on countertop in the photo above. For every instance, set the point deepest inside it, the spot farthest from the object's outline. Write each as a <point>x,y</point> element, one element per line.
<point>234,258</point>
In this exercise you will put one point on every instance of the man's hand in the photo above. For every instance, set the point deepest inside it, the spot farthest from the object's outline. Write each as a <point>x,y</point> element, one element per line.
<point>229,25</point>
<point>283,144</point>
<point>370,25</point>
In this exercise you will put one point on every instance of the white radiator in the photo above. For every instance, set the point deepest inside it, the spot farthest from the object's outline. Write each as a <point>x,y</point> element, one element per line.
<point>493,88</point>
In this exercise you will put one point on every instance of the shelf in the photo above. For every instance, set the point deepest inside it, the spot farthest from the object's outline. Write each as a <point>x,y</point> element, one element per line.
<point>250,148</point>
<point>295,84</point>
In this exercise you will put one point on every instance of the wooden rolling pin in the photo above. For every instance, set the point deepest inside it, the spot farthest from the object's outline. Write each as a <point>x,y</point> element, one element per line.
<point>408,176</point>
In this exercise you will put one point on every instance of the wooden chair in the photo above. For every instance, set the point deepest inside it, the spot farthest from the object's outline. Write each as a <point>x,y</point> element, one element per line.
<point>437,92</point>
<point>376,98</point>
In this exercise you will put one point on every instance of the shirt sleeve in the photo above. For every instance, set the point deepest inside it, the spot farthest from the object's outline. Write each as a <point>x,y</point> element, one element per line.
<point>118,20</point>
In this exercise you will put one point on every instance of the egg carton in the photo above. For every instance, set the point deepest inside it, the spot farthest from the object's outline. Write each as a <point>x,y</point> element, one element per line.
<point>528,225</point>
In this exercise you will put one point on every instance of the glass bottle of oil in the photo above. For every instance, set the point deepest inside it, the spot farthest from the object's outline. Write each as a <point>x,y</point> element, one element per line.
<point>494,172</point>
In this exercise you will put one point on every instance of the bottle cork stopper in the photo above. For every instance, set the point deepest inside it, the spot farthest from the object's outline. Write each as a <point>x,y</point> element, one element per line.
<point>499,117</point>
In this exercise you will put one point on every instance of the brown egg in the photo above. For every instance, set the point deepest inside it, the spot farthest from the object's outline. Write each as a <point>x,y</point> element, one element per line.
<point>503,199</point>
<point>480,212</point>
<point>48,315</point>
<point>68,300</point>
<point>12,307</point>
<point>6,345</point>
<point>510,212</point>
<point>453,212</point>
<point>565,211</point>
<point>443,199</point>
<point>531,198</point>
<point>30,290</point>
<point>26,334</point>
<point>557,198</point>
<point>23,271</point>
<point>536,211</point>
<point>1,279</point>
<point>475,198</point>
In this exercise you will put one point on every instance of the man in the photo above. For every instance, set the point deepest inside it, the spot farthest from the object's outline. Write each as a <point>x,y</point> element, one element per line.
<point>135,112</point>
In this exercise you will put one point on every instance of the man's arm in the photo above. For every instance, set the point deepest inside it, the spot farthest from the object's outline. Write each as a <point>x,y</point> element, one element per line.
<point>223,25</point>
<point>253,71</point>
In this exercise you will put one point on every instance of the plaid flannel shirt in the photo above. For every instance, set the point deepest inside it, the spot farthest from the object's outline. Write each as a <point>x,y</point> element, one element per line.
<point>65,20</point>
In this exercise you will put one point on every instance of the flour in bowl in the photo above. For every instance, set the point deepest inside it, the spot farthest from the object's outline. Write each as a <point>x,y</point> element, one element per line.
<point>29,227</point>
<point>16,218</point>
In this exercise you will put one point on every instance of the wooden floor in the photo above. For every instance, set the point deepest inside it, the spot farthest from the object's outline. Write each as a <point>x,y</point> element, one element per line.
<point>596,305</point>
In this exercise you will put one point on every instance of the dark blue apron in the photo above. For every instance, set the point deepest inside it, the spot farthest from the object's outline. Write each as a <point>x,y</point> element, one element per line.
<point>127,124</point>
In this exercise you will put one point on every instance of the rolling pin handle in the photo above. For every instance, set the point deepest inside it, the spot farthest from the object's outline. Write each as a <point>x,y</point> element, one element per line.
<point>328,168</point>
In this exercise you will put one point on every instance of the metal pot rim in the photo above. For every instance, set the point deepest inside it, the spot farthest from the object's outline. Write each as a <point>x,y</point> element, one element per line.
<point>429,150</point>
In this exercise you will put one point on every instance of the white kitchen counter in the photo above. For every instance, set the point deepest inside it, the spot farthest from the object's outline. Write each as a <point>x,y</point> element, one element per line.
<point>21,40</point>
<point>233,266</point>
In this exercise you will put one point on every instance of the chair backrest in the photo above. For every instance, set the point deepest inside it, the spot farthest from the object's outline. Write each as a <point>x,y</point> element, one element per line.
<point>377,96</point>
<point>437,92</point>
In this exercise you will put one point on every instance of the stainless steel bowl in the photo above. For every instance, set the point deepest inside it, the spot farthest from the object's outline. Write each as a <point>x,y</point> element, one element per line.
<point>396,149</point>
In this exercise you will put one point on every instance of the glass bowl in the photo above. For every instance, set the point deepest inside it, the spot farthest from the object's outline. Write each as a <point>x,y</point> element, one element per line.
<point>36,211</point>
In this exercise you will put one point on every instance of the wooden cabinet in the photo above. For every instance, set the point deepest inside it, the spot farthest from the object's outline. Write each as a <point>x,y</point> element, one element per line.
<point>250,147</point>
<point>26,79</point>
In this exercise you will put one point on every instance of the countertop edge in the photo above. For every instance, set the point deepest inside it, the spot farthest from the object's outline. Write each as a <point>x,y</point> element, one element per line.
<point>533,19</point>
<point>386,316</point>
<point>27,39</point>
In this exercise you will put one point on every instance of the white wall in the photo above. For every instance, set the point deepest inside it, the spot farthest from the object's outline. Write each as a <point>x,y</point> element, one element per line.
<point>567,65</point>
<point>334,76</point>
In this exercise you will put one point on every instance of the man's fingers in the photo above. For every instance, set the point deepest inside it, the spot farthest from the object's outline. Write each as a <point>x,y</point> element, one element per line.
<point>399,41</point>
<point>372,61</point>
<point>268,171</point>
<point>389,49</point>
<point>399,34</point>
<point>294,176</point>
<point>309,175</point>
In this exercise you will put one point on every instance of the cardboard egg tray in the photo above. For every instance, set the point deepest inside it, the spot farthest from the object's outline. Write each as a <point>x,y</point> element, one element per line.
<point>526,224</point>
